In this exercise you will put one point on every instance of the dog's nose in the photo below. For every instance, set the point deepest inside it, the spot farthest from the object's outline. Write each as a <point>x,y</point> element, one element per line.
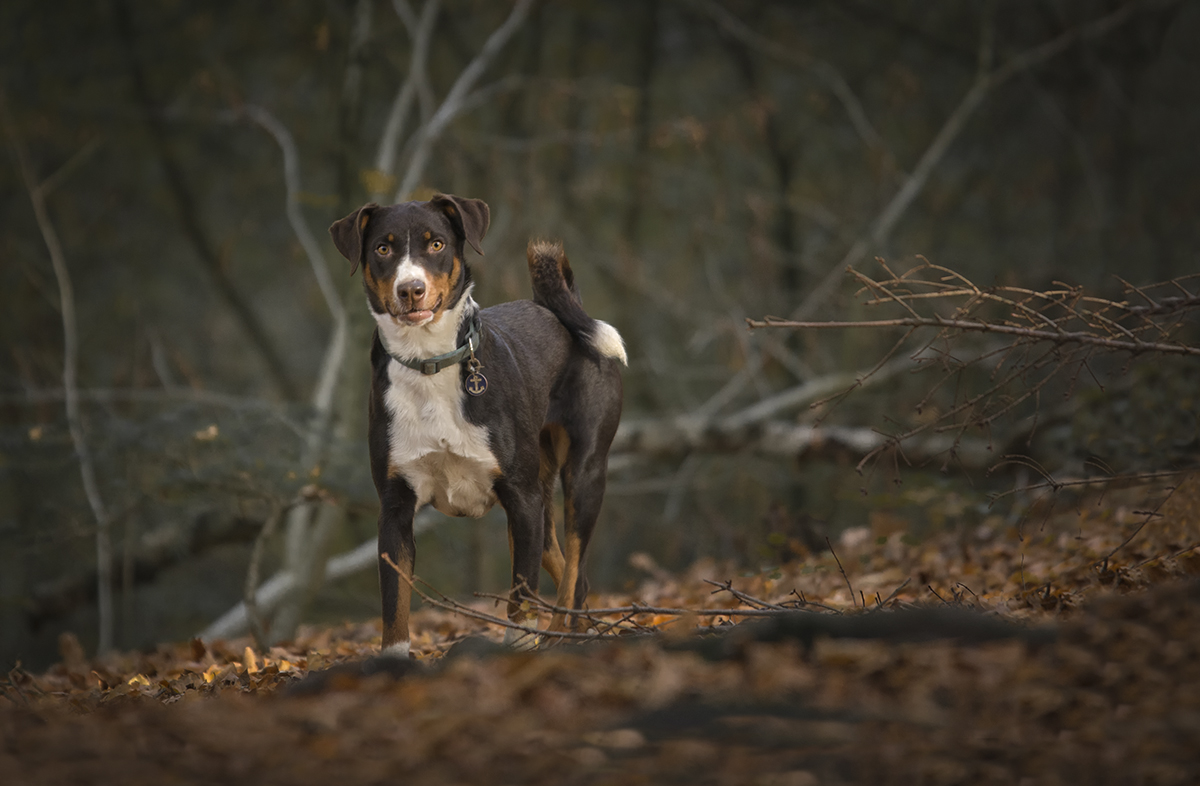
<point>411,292</point>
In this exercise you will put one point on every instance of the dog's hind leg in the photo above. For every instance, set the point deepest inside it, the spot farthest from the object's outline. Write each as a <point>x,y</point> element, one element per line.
<point>553,448</point>
<point>584,478</point>
<point>589,407</point>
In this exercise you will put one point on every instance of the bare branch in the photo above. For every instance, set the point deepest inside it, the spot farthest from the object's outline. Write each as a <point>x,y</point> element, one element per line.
<point>66,294</point>
<point>157,396</point>
<point>308,525</point>
<point>824,70</point>
<point>335,351</point>
<point>785,440</point>
<point>1045,334</point>
<point>849,586</point>
<point>453,105</point>
<point>272,592</point>
<point>189,214</point>
<point>416,85</point>
<point>1149,516</point>
<point>157,550</point>
<point>1078,337</point>
<point>52,182</point>
<point>814,391</point>
<point>985,81</point>
<point>258,628</point>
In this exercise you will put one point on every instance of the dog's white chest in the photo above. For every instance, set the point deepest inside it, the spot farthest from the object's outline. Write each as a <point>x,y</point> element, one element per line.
<point>445,458</point>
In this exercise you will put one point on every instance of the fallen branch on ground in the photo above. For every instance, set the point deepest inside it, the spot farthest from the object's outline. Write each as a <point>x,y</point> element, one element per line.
<point>1048,335</point>
<point>627,624</point>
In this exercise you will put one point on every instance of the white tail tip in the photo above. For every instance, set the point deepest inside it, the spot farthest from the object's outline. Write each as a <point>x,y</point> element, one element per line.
<point>608,342</point>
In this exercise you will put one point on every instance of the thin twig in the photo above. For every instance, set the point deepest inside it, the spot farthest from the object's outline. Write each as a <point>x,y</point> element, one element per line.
<point>749,600</point>
<point>449,604</point>
<point>1076,337</point>
<point>637,608</point>
<point>1181,552</point>
<point>258,628</point>
<point>806,602</point>
<point>843,570</point>
<point>13,680</point>
<point>1150,515</point>
<point>1132,478</point>
<point>895,592</point>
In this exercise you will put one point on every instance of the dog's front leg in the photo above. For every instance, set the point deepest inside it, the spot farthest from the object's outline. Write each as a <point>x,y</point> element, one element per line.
<point>523,507</point>
<point>397,556</point>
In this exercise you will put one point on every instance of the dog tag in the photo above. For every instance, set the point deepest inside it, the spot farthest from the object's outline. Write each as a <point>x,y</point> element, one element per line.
<point>475,383</point>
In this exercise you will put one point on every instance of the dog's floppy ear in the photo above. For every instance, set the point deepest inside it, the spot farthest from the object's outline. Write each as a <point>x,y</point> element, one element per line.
<point>348,234</point>
<point>470,217</point>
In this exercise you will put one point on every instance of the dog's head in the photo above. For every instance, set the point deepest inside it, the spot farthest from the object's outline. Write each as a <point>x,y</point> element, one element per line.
<point>412,254</point>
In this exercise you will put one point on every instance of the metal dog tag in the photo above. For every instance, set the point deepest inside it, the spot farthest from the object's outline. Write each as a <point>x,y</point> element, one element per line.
<point>476,383</point>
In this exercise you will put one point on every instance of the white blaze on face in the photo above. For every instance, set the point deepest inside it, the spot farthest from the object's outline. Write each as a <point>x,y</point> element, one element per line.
<point>406,271</point>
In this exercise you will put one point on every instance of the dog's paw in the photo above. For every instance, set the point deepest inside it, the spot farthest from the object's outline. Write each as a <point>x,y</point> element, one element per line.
<point>524,638</point>
<point>399,651</point>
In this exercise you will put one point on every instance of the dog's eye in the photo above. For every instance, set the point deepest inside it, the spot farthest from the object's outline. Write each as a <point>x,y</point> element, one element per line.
<point>382,249</point>
<point>436,246</point>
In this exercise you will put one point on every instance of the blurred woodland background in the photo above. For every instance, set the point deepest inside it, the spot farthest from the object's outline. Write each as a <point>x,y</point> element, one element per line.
<point>704,161</point>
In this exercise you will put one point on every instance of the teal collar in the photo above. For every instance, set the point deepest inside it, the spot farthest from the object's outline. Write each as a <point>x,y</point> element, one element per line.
<point>431,366</point>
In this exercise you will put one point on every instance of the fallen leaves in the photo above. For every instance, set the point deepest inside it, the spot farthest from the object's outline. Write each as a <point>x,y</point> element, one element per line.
<point>1110,695</point>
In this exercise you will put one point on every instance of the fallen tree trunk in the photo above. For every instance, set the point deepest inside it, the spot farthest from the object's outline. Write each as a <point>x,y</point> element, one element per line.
<point>274,591</point>
<point>674,438</point>
<point>157,551</point>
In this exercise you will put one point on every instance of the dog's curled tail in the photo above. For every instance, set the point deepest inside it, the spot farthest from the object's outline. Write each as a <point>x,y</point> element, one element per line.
<point>554,287</point>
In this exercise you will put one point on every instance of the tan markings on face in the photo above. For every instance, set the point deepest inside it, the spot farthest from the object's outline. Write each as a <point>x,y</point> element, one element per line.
<point>362,221</point>
<point>381,288</point>
<point>428,235</point>
<point>391,238</point>
<point>439,288</point>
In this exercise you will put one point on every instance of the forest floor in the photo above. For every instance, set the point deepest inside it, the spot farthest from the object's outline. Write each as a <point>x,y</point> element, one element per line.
<point>1061,649</point>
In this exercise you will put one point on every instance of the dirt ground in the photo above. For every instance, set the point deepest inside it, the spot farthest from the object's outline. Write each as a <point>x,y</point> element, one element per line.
<point>1064,649</point>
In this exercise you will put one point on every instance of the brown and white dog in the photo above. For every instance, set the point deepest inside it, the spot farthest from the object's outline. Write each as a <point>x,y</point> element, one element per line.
<point>473,406</point>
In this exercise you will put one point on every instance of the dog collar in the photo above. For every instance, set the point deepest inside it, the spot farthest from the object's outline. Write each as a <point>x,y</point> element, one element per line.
<point>431,366</point>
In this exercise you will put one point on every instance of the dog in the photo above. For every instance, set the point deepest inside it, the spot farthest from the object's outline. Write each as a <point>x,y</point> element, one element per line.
<point>471,406</point>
